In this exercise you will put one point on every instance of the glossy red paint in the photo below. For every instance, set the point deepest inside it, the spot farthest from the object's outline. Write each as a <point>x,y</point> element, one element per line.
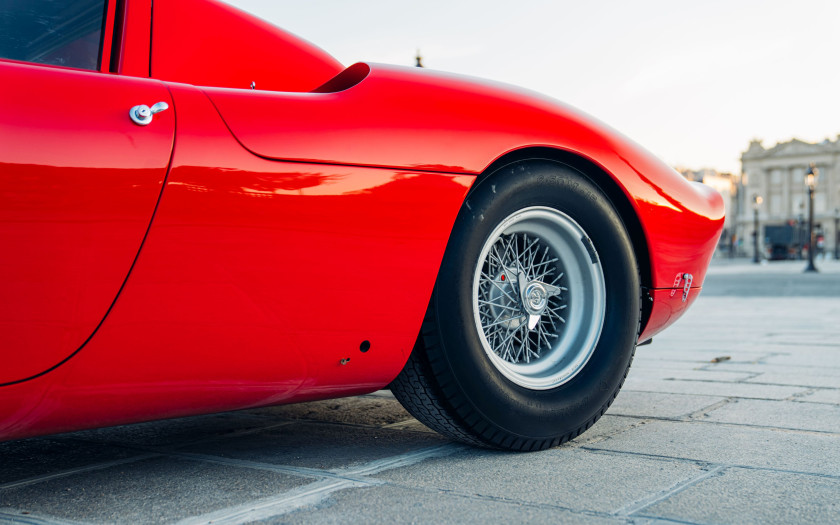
<point>409,118</point>
<point>274,253</point>
<point>207,51</point>
<point>77,191</point>
<point>256,279</point>
<point>134,39</point>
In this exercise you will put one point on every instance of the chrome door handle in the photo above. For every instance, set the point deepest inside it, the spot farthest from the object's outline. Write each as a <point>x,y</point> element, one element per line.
<point>142,114</point>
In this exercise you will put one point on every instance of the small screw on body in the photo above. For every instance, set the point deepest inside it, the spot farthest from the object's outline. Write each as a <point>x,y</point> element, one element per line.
<point>344,361</point>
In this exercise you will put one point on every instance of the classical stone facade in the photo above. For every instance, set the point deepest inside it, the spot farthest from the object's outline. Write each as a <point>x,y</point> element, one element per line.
<point>777,176</point>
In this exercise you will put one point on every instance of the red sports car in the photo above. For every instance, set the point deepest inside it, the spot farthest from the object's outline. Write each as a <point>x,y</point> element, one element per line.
<point>200,212</point>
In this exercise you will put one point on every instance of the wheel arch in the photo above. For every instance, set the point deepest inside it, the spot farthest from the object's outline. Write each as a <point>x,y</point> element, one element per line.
<point>607,183</point>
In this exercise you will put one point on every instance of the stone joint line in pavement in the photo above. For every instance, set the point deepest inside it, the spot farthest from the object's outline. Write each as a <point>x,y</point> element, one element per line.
<point>316,492</point>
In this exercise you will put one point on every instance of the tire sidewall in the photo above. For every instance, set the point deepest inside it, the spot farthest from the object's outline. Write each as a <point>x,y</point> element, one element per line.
<point>513,409</point>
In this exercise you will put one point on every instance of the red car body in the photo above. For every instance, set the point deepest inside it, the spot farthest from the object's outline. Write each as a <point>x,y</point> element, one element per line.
<point>248,245</point>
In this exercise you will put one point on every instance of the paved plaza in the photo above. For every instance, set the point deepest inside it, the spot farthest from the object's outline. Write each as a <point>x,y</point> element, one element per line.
<point>730,416</point>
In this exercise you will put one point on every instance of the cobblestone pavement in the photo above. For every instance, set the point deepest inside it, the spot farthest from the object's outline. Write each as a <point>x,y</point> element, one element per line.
<point>730,416</point>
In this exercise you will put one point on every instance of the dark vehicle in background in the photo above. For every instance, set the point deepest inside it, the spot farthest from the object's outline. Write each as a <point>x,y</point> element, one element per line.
<point>782,241</point>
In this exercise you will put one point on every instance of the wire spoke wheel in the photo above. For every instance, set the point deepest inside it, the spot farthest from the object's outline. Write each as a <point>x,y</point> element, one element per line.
<point>533,322</point>
<point>538,298</point>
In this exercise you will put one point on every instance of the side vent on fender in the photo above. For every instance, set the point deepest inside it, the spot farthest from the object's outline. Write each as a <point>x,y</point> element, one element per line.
<point>345,80</point>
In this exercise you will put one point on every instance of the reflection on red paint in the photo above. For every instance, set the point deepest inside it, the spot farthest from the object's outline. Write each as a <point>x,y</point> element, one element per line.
<point>76,198</point>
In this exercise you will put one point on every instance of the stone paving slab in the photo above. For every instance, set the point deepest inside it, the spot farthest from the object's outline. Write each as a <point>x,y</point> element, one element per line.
<point>778,414</point>
<point>749,350</point>
<point>714,388</point>
<point>318,492</point>
<point>657,405</point>
<point>32,458</point>
<point>753,497</point>
<point>319,446</point>
<point>693,374</point>
<point>648,363</point>
<point>732,445</point>
<point>158,490</point>
<point>821,396</point>
<point>823,357</point>
<point>676,352</point>
<point>176,431</point>
<point>577,486</point>
<point>398,504</point>
<point>763,367</point>
<point>795,378</point>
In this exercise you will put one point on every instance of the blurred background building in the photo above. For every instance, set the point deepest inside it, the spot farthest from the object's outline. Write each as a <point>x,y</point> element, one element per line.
<point>772,182</point>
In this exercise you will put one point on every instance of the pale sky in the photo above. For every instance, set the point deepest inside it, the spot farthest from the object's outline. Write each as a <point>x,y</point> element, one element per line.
<point>693,82</point>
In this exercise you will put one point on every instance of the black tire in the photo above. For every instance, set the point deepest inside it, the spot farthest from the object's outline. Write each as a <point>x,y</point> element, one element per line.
<point>451,384</point>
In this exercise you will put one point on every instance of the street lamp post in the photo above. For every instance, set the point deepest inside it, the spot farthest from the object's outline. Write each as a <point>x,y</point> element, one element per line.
<point>757,200</point>
<point>811,177</point>
<point>836,234</point>
<point>800,234</point>
<point>741,202</point>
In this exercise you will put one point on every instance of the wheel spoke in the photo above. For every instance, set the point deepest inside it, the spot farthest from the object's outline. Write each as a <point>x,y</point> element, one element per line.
<point>501,321</point>
<point>518,259</point>
<point>498,286</point>
<point>506,307</point>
